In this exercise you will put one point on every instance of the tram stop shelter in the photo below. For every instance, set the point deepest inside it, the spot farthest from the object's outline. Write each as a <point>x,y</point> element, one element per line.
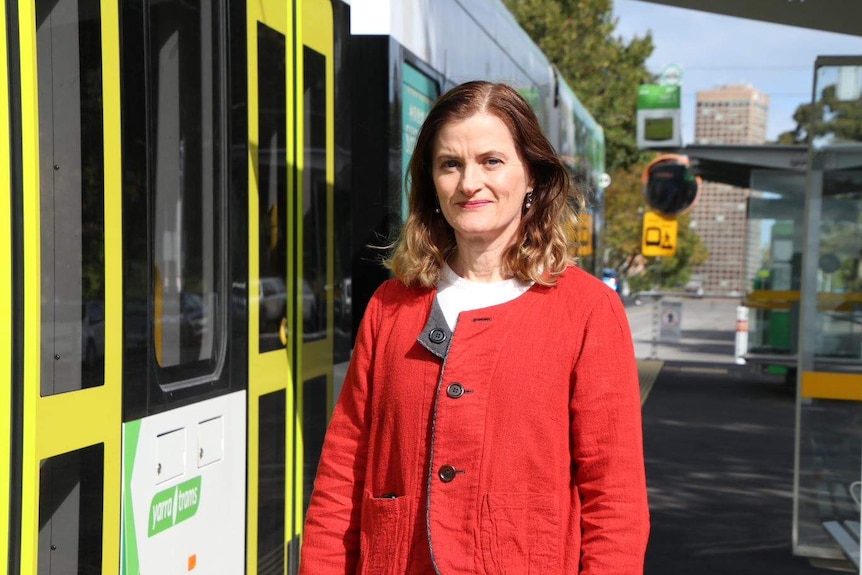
<point>805,298</point>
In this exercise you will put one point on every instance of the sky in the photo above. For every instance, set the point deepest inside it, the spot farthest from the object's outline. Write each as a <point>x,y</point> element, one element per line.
<point>715,50</point>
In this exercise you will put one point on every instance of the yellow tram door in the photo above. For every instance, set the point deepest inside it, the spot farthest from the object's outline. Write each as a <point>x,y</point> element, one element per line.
<point>65,184</point>
<point>273,338</point>
<point>316,162</point>
<point>291,171</point>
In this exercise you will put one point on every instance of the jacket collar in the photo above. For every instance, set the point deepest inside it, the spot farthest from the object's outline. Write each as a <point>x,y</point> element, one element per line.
<point>436,335</point>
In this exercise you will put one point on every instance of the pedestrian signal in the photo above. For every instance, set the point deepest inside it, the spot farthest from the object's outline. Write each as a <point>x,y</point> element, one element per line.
<point>669,185</point>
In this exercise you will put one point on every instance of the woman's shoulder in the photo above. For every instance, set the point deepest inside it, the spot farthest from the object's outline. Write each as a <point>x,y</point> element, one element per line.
<point>578,285</point>
<point>393,292</point>
<point>577,278</point>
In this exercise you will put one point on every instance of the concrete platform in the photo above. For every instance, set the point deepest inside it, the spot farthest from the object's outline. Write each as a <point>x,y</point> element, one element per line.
<point>718,441</point>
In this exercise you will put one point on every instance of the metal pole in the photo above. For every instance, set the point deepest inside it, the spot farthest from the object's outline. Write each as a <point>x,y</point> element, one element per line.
<point>656,315</point>
<point>656,319</point>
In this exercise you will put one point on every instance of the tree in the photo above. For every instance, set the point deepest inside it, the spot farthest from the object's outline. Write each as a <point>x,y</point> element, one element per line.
<point>624,208</point>
<point>674,272</point>
<point>838,120</point>
<point>603,70</point>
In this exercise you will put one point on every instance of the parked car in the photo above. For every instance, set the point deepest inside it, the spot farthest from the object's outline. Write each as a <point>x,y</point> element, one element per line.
<point>273,300</point>
<point>694,288</point>
<point>93,332</point>
<point>611,278</point>
<point>344,299</point>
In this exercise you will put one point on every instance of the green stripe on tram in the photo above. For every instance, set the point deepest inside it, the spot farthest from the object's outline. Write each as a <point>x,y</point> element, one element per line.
<point>129,541</point>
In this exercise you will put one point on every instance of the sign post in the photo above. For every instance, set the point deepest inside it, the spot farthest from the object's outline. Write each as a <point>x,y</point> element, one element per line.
<point>671,321</point>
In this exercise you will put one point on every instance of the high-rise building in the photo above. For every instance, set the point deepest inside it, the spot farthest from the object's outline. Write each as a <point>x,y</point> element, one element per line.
<point>728,115</point>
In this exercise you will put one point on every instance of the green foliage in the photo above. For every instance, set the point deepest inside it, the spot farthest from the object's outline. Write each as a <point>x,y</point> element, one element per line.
<point>603,70</point>
<point>624,209</point>
<point>839,238</point>
<point>674,272</point>
<point>833,118</point>
<point>640,282</point>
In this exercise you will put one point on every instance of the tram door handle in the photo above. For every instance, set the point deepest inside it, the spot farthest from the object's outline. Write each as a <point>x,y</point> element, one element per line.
<point>282,331</point>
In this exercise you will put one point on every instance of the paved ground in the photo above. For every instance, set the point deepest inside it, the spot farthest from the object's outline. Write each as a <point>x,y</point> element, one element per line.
<point>718,441</point>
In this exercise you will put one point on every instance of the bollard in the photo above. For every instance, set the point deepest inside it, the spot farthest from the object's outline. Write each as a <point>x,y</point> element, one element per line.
<point>741,334</point>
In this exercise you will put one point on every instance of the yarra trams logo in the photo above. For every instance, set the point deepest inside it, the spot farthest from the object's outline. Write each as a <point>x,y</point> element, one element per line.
<point>174,505</point>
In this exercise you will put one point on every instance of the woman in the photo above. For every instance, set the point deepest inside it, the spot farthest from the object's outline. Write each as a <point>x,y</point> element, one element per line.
<point>490,419</point>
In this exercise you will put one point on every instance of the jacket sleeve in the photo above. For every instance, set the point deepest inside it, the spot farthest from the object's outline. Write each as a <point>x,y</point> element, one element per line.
<point>331,536</point>
<point>608,445</point>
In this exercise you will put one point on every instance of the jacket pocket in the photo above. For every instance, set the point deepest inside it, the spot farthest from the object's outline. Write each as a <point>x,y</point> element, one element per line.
<point>380,539</point>
<point>519,534</point>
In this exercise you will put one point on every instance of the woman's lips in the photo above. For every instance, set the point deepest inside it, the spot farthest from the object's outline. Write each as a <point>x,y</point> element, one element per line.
<point>473,204</point>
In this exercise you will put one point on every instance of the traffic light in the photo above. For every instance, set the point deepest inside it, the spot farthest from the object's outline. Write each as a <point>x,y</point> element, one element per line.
<point>670,187</point>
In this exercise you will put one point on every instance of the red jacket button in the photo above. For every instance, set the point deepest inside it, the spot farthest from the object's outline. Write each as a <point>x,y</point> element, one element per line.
<point>446,473</point>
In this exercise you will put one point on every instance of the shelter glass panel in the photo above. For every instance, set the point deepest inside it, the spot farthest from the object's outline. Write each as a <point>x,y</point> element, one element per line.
<point>837,163</point>
<point>776,209</point>
<point>829,436</point>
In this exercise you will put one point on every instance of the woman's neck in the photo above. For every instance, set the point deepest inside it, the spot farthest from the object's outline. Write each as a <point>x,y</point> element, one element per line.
<point>478,264</point>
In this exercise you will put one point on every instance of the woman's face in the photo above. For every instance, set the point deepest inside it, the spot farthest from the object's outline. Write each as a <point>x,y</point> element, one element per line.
<point>480,179</point>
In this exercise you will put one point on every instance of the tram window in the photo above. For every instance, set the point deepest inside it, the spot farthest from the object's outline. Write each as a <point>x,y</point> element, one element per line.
<point>314,412</point>
<point>272,480</point>
<point>71,491</point>
<point>272,181</point>
<point>188,249</point>
<point>316,236</point>
<point>71,182</point>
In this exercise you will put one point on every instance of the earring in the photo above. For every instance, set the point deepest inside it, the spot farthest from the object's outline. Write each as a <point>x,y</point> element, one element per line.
<point>437,210</point>
<point>437,205</point>
<point>528,200</point>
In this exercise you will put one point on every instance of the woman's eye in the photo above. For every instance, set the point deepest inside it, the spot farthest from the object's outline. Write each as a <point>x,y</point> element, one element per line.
<point>449,164</point>
<point>493,162</point>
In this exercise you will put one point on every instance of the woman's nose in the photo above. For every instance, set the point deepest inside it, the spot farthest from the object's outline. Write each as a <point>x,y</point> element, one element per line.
<point>471,180</point>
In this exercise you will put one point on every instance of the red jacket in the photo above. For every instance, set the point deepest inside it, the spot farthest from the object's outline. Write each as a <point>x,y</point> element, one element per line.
<point>511,446</point>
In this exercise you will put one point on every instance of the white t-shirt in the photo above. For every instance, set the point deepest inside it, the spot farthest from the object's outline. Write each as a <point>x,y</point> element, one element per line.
<point>456,294</point>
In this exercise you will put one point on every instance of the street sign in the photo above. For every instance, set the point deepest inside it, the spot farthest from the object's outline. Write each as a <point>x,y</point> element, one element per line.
<point>658,117</point>
<point>671,75</point>
<point>671,321</point>
<point>585,235</point>
<point>659,235</point>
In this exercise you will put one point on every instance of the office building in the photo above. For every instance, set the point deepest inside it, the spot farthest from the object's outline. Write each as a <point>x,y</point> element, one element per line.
<point>728,115</point>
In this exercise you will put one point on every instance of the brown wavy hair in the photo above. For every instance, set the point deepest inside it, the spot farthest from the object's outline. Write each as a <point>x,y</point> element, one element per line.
<point>547,229</point>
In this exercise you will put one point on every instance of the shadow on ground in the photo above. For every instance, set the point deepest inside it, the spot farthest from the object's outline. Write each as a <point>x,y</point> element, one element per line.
<point>719,457</point>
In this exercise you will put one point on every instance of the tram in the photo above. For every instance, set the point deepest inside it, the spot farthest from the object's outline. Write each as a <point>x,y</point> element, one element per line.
<point>189,190</point>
